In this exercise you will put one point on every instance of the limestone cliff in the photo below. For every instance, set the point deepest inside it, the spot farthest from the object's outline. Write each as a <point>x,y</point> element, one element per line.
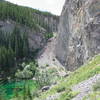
<point>79,32</point>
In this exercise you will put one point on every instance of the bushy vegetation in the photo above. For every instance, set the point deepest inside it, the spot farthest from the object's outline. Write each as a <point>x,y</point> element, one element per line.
<point>48,35</point>
<point>96,87</point>
<point>68,95</point>
<point>47,75</point>
<point>61,89</point>
<point>28,72</point>
<point>43,77</point>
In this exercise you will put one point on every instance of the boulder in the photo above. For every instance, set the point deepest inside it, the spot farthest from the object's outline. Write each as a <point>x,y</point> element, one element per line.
<point>45,88</point>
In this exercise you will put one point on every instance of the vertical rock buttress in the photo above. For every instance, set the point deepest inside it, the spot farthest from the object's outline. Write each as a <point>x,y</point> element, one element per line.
<point>79,32</point>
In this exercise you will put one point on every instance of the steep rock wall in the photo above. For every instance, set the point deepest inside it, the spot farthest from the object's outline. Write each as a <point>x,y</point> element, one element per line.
<point>79,32</point>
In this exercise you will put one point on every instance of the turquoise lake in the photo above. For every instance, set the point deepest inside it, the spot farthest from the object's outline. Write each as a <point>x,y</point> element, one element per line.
<point>8,89</point>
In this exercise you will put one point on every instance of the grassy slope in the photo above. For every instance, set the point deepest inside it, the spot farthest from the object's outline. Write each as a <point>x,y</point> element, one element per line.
<point>83,73</point>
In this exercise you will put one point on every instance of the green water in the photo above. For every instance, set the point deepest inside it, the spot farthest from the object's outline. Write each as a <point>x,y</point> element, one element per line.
<point>8,89</point>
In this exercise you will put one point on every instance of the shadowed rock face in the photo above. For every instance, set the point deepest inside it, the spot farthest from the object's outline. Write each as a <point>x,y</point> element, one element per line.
<point>79,32</point>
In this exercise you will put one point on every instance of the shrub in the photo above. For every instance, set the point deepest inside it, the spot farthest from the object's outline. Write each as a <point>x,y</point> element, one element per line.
<point>28,71</point>
<point>96,87</point>
<point>43,77</point>
<point>25,74</point>
<point>35,94</point>
<point>61,89</point>
<point>48,35</point>
<point>68,95</point>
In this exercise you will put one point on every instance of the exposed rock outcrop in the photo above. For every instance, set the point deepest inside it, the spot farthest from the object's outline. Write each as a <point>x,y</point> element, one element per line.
<point>39,25</point>
<point>79,32</point>
<point>36,38</point>
<point>85,87</point>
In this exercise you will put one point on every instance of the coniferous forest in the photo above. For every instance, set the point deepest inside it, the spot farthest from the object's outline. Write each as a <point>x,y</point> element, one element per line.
<point>14,46</point>
<point>24,15</point>
<point>17,63</point>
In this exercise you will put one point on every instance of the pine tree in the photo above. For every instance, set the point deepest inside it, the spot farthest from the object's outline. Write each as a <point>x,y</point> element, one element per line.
<point>25,45</point>
<point>6,59</point>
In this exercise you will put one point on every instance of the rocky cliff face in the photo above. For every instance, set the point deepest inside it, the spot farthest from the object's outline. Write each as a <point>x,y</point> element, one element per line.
<point>79,32</point>
<point>36,39</point>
